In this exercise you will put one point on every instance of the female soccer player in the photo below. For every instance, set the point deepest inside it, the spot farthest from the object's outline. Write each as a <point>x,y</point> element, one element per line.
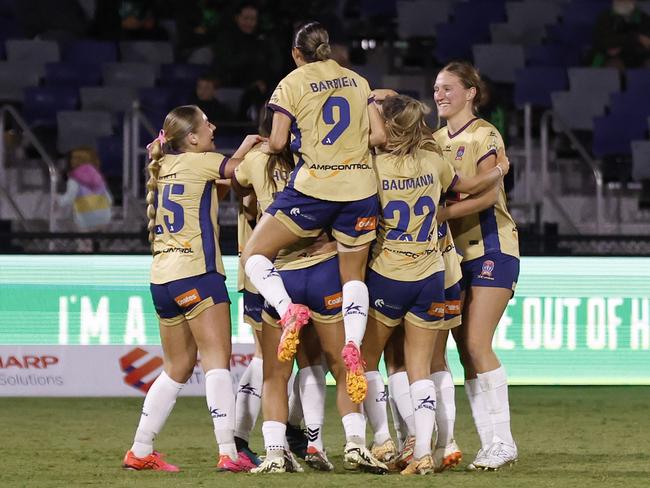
<point>310,269</point>
<point>486,237</point>
<point>406,276</point>
<point>188,282</point>
<point>326,110</point>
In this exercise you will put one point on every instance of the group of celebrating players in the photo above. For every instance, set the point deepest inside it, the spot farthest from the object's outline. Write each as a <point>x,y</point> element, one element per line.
<point>362,232</point>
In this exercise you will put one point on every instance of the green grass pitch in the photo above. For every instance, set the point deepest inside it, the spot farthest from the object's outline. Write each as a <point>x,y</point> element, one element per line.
<point>567,436</point>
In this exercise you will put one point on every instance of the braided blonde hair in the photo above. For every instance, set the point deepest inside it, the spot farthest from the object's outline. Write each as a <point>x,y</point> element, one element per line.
<point>406,129</point>
<point>178,124</point>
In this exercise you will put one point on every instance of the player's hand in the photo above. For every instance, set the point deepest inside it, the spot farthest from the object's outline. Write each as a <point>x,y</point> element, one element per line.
<point>381,94</point>
<point>502,161</point>
<point>251,141</point>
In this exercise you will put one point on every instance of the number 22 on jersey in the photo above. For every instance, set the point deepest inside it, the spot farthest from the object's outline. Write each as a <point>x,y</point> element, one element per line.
<point>400,210</point>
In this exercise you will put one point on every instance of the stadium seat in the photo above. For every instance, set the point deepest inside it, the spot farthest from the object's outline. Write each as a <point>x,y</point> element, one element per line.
<point>535,84</point>
<point>156,102</point>
<point>82,128</point>
<point>584,11</point>
<point>578,109</point>
<point>110,151</point>
<point>553,55</point>
<point>72,74</point>
<point>613,135</point>
<point>598,80</point>
<point>108,98</point>
<point>573,35</point>
<point>42,103</point>
<point>32,51</point>
<point>136,75</point>
<point>641,160</point>
<point>508,33</point>
<point>532,13</point>
<point>416,18</point>
<point>637,79</point>
<point>230,97</point>
<point>499,62</point>
<point>90,52</point>
<point>156,52</point>
<point>15,77</point>
<point>184,74</point>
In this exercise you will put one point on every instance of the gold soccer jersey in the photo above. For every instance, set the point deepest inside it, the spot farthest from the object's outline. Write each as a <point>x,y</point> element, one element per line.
<point>186,233</point>
<point>252,172</point>
<point>492,229</point>
<point>328,107</point>
<point>409,191</point>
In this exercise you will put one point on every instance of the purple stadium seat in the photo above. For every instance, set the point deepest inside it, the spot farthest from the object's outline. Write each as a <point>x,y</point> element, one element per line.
<point>553,55</point>
<point>41,104</point>
<point>72,74</point>
<point>90,52</point>
<point>534,85</point>
<point>110,149</point>
<point>584,11</point>
<point>637,79</point>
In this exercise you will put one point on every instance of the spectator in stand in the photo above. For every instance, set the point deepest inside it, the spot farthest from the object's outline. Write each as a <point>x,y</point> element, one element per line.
<point>86,191</point>
<point>128,20</point>
<point>197,24</point>
<point>205,97</point>
<point>244,59</point>
<point>622,37</point>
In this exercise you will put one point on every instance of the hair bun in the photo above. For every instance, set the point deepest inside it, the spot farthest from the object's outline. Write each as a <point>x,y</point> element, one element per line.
<point>323,51</point>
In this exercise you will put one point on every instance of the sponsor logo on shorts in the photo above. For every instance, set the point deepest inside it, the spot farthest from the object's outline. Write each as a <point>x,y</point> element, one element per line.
<point>437,310</point>
<point>452,307</point>
<point>459,153</point>
<point>428,403</point>
<point>294,211</point>
<point>379,302</point>
<point>333,301</point>
<point>486,269</point>
<point>188,298</point>
<point>134,375</point>
<point>366,223</point>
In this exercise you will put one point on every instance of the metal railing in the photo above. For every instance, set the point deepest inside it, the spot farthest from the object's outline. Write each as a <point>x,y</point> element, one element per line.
<point>585,157</point>
<point>33,140</point>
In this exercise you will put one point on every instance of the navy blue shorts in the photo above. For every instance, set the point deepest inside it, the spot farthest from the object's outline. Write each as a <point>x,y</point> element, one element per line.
<point>421,302</point>
<point>352,223</point>
<point>318,287</point>
<point>452,305</point>
<point>253,306</point>
<point>186,298</point>
<point>496,270</point>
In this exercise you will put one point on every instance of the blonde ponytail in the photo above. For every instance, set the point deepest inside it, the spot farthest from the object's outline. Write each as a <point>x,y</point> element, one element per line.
<point>323,52</point>
<point>153,168</point>
<point>406,129</point>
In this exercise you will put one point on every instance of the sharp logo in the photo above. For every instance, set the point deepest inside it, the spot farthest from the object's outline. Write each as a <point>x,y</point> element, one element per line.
<point>427,403</point>
<point>216,413</point>
<point>379,302</point>
<point>247,389</point>
<point>134,376</point>
<point>295,211</point>
<point>27,362</point>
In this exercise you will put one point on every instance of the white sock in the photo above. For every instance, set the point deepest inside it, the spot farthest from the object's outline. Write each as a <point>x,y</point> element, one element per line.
<point>375,406</point>
<point>355,311</point>
<point>158,404</point>
<point>494,385</point>
<point>478,404</point>
<point>446,409</point>
<point>267,280</point>
<point>249,399</point>
<point>274,438</point>
<point>423,393</point>
<point>295,405</point>
<point>221,404</point>
<point>401,430</point>
<point>354,425</point>
<point>399,390</point>
<point>312,393</point>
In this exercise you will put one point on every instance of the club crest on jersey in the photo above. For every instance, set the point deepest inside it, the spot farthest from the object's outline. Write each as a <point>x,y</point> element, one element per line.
<point>459,153</point>
<point>486,269</point>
